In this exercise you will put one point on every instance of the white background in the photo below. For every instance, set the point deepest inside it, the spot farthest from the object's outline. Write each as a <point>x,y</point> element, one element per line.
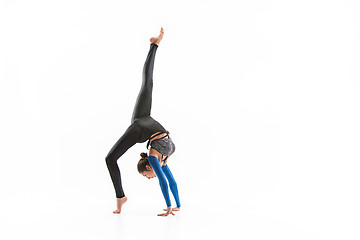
<point>262,99</point>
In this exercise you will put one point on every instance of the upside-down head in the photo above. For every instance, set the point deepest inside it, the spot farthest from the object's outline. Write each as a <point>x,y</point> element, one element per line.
<point>144,167</point>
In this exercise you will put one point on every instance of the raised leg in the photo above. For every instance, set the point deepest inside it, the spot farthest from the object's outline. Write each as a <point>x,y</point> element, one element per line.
<point>143,103</point>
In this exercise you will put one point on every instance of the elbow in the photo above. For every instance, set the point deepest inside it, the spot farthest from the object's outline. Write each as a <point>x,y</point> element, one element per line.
<point>172,184</point>
<point>163,183</point>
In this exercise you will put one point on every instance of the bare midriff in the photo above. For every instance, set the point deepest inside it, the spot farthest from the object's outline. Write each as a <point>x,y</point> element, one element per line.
<point>158,136</point>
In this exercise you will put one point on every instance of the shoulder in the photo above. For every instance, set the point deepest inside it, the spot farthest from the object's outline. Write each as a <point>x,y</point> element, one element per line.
<point>153,152</point>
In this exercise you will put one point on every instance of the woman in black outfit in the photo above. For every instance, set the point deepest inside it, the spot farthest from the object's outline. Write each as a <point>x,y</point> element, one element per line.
<point>143,127</point>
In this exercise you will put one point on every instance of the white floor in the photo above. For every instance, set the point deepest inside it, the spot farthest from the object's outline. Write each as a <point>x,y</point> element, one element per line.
<point>210,216</point>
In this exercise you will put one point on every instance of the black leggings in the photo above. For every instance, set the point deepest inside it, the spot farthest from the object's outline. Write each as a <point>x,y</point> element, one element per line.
<point>142,125</point>
<point>143,102</point>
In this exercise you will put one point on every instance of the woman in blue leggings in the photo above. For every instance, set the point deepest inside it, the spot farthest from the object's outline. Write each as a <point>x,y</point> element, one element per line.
<point>142,128</point>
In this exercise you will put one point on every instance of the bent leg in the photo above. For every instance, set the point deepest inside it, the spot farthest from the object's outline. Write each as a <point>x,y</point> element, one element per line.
<point>143,103</point>
<point>127,140</point>
<point>172,183</point>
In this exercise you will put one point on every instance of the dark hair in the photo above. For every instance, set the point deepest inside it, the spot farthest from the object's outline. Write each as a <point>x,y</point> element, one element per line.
<point>143,162</point>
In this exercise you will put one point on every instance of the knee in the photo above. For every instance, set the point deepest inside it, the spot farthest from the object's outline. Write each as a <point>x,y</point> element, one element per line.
<point>109,160</point>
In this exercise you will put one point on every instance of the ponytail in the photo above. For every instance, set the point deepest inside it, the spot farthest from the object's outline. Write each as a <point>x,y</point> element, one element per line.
<point>143,162</point>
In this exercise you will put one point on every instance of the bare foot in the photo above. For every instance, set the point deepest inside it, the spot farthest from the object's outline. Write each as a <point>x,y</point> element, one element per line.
<point>157,39</point>
<point>119,203</point>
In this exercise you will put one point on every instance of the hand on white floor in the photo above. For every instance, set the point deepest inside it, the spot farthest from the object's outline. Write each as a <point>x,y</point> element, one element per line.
<point>174,209</point>
<point>168,211</point>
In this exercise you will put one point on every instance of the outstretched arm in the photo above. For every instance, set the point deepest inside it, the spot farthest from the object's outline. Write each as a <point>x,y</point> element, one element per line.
<point>172,183</point>
<point>154,163</point>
